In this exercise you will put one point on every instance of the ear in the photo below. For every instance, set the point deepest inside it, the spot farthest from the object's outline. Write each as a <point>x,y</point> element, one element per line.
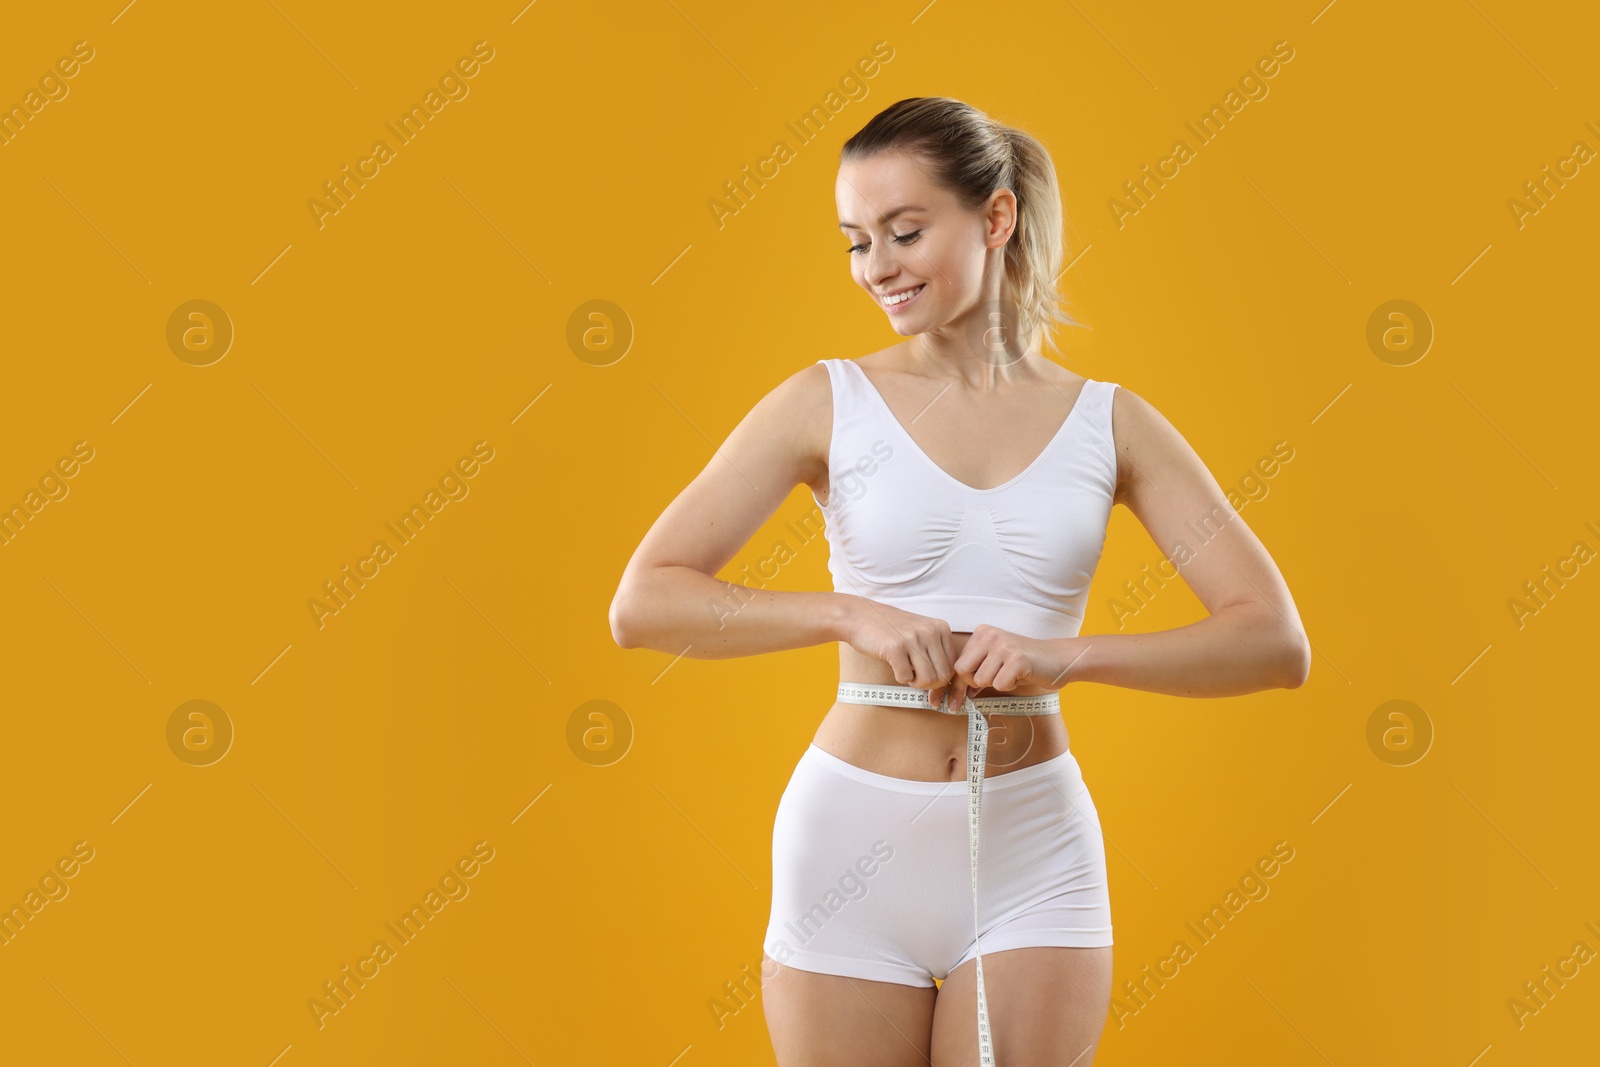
<point>1000,217</point>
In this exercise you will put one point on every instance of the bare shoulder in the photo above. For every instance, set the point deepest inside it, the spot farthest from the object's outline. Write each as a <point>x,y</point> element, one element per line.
<point>1147,446</point>
<point>798,414</point>
<point>804,394</point>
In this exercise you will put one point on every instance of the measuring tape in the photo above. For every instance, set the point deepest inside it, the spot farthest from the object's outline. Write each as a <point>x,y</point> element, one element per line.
<point>975,708</point>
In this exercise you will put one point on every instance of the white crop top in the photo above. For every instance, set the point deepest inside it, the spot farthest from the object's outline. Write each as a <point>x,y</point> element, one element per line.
<point>903,532</point>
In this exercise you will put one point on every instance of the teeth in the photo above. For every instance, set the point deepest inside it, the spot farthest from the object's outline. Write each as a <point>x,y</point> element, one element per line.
<point>902,297</point>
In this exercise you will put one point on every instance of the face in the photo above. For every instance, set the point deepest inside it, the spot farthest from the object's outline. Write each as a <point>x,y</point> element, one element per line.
<point>908,237</point>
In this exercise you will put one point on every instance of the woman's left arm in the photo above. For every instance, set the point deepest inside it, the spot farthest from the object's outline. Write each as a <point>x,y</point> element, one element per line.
<point>1252,638</point>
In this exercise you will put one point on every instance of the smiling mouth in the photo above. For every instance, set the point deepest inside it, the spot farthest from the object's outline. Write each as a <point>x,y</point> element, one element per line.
<point>902,299</point>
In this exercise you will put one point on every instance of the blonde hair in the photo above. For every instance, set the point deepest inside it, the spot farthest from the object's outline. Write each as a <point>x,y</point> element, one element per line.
<point>972,155</point>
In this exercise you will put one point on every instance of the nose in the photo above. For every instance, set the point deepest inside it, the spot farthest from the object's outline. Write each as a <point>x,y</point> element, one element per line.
<point>881,264</point>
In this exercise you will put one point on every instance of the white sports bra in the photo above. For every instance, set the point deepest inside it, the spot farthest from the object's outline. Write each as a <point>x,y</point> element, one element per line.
<point>903,532</point>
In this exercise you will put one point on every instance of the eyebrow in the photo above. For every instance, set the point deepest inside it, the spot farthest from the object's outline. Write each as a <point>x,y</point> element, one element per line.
<point>884,218</point>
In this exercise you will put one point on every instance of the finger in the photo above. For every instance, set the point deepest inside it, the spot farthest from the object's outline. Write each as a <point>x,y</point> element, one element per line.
<point>904,667</point>
<point>971,653</point>
<point>970,666</point>
<point>1005,679</point>
<point>957,688</point>
<point>983,673</point>
<point>947,649</point>
<point>927,677</point>
<point>940,651</point>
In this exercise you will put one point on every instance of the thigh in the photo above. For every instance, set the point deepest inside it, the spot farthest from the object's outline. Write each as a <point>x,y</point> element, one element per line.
<point>826,1020</point>
<point>1046,1005</point>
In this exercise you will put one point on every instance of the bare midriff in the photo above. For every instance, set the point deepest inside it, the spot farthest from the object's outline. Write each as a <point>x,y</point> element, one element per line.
<point>927,745</point>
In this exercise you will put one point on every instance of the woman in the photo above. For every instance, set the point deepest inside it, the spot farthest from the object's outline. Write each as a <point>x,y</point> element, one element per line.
<point>966,480</point>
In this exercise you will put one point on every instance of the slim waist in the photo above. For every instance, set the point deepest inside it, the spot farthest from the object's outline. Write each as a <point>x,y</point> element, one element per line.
<point>905,696</point>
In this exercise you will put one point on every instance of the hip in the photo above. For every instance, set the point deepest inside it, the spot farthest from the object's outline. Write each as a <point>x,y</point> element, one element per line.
<point>831,811</point>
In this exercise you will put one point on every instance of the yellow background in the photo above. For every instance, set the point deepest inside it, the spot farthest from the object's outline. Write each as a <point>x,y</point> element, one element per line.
<point>433,309</point>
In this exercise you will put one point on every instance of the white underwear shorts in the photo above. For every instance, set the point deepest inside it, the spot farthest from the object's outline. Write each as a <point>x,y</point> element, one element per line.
<point>872,876</point>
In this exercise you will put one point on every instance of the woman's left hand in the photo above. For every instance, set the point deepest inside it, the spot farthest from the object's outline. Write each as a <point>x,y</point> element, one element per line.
<point>999,659</point>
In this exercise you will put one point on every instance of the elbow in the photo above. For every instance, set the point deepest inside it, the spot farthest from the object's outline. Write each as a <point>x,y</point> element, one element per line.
<point>640,615</point>
<point>1296,659</point>
<point>621,620</point>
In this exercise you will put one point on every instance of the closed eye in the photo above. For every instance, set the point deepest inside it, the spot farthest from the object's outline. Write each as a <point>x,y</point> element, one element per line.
<point>904,239</point>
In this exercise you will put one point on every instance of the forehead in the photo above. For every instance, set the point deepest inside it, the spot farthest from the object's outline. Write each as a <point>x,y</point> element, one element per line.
<point>870,188</point>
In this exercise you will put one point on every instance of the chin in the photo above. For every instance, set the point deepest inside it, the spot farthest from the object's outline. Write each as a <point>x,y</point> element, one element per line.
<point>905,326</point>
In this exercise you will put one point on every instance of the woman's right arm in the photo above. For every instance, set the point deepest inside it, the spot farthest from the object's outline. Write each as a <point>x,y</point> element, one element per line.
<point>669,598</point>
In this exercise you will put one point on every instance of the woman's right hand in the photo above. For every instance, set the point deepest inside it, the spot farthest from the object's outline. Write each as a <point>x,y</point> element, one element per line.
<point>919,649</point>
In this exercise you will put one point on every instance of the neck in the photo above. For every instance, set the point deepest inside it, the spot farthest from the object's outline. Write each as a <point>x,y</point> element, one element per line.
<point>983,348</point>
